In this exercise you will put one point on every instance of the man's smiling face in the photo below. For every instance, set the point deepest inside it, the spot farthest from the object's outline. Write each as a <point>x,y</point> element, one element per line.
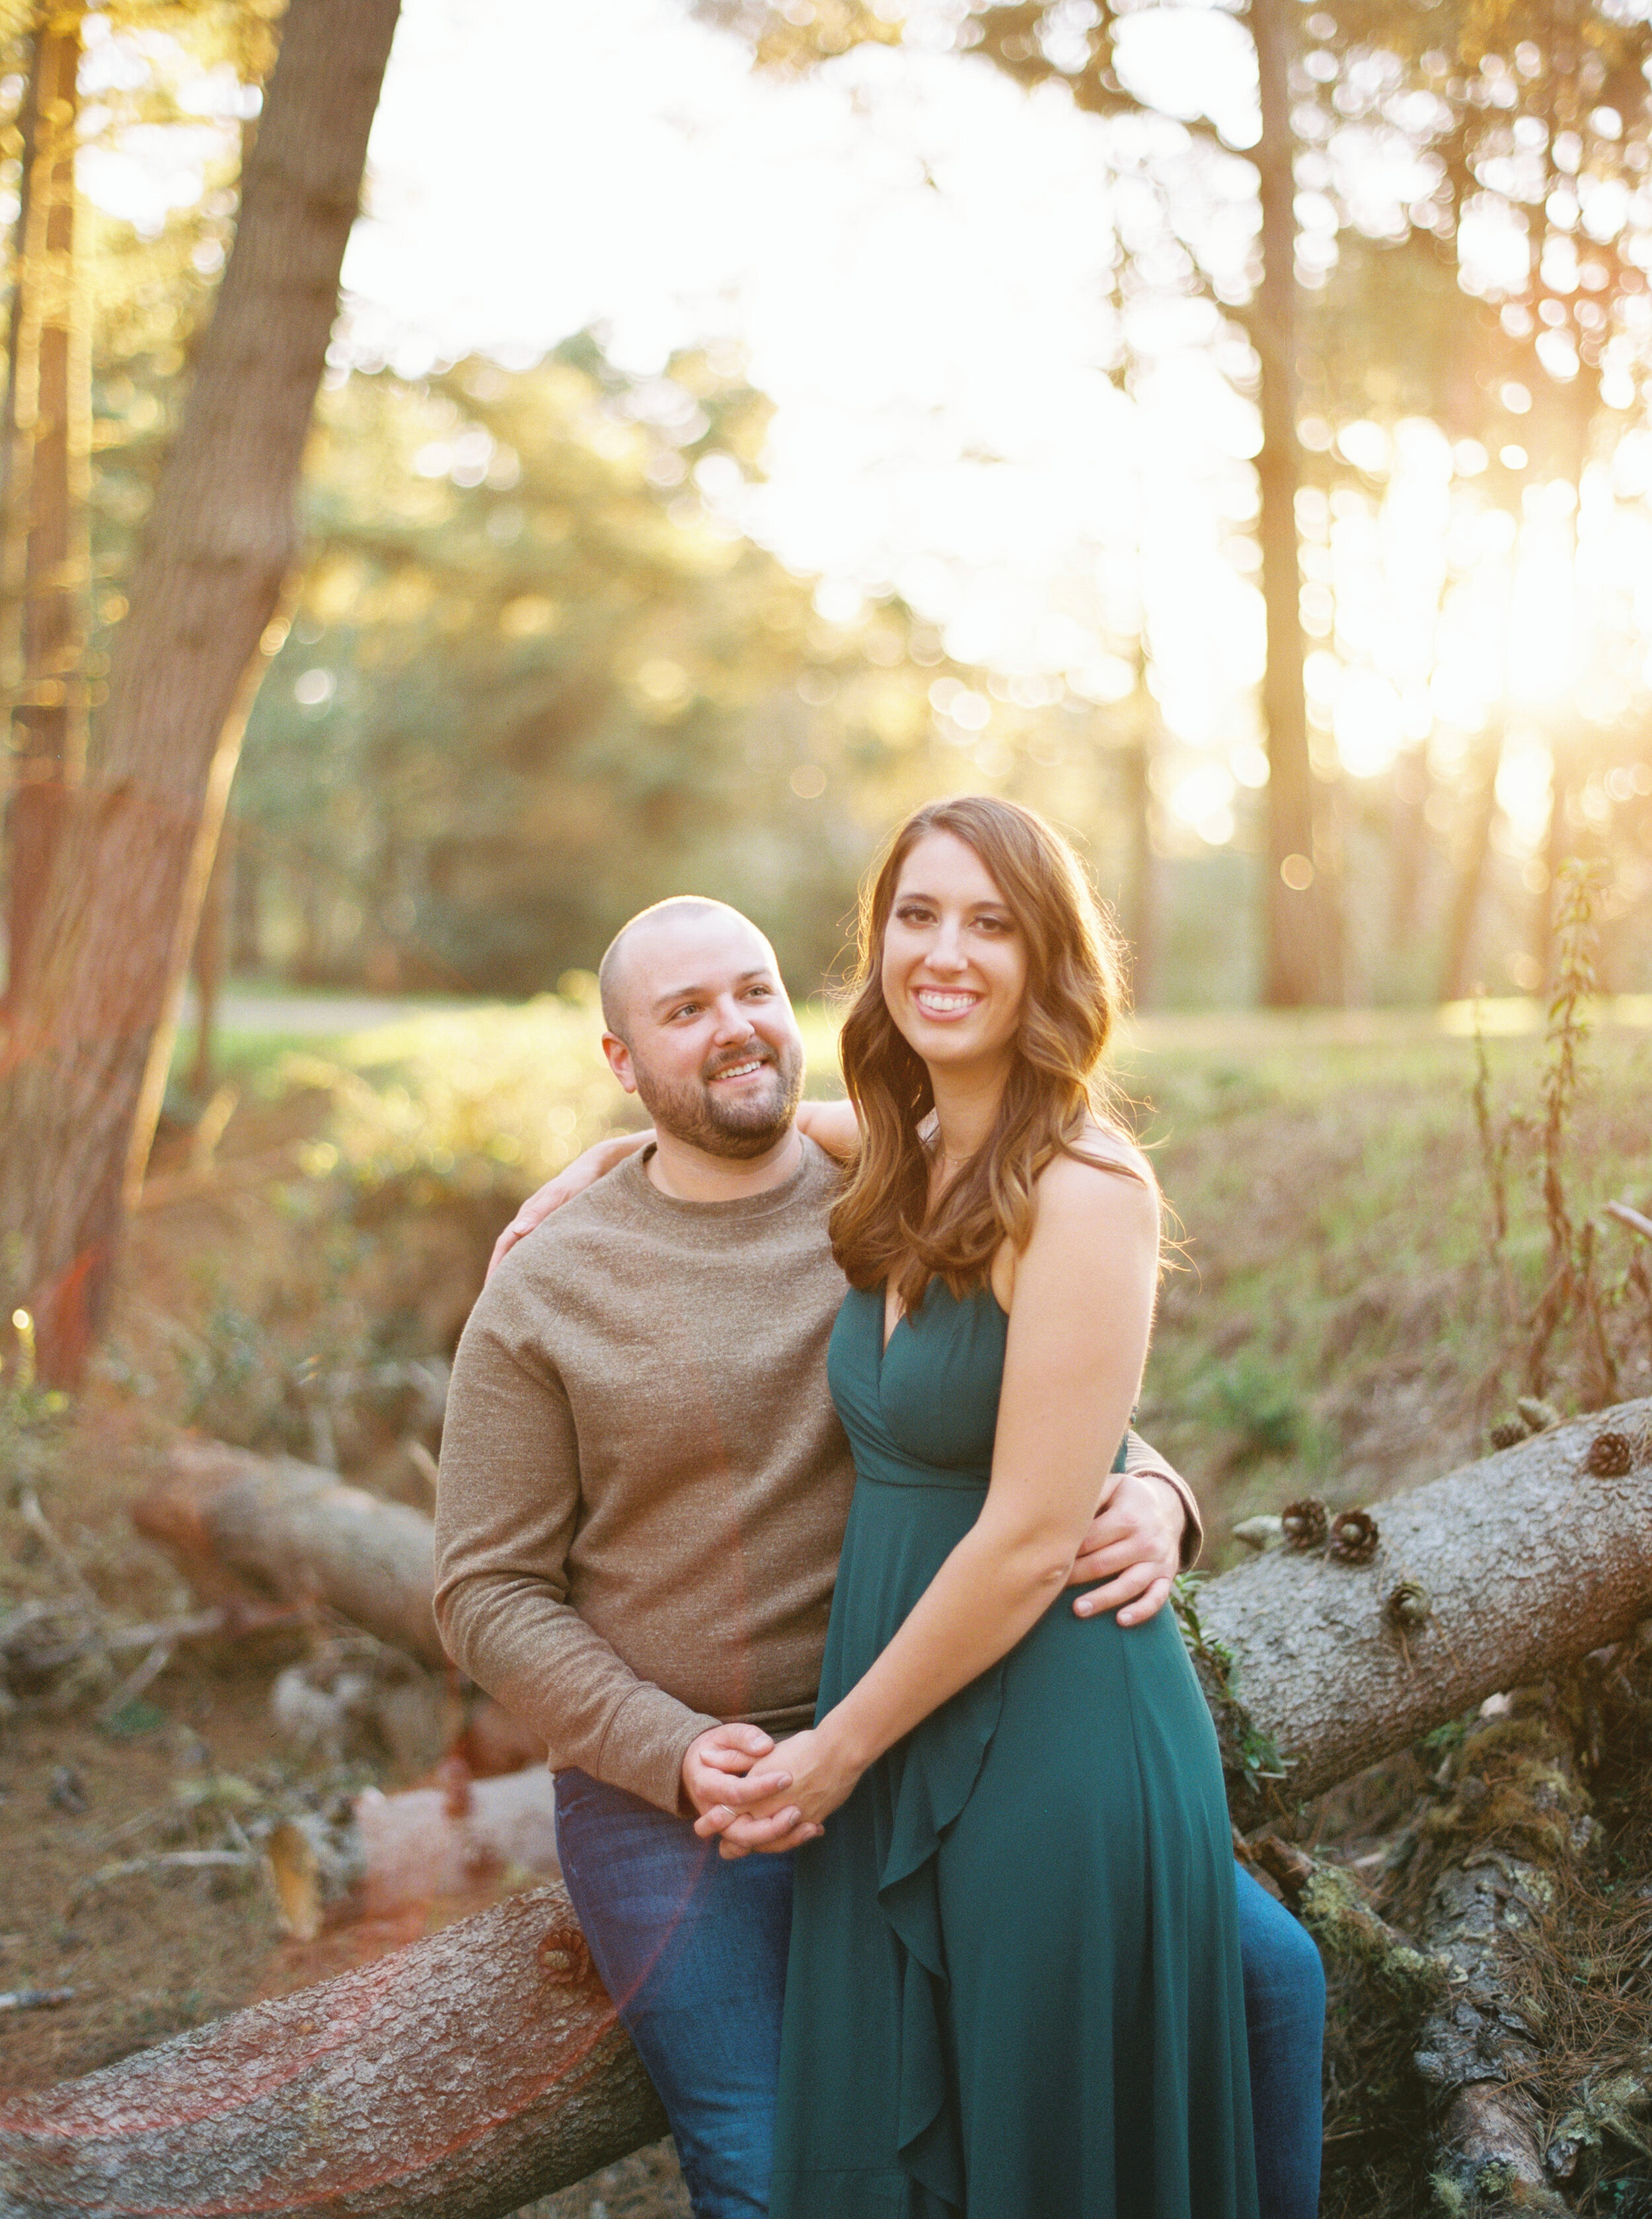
<point>701,1029</point>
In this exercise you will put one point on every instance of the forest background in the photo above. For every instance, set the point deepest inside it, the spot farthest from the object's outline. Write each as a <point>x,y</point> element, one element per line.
<point>1226,431</point>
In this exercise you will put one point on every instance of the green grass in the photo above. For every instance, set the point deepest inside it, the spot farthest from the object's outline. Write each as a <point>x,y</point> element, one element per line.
<point>1339,1324</point>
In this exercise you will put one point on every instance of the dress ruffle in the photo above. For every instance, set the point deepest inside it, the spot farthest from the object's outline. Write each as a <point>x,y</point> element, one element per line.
<point>922,1786</point>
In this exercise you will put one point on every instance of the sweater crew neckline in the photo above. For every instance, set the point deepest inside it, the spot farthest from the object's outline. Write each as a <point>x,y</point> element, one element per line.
<point>642,1193</point>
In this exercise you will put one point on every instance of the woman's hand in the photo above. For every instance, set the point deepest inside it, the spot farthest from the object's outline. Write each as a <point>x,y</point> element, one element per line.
<point>821,1776</point>
<point>585,1171</point>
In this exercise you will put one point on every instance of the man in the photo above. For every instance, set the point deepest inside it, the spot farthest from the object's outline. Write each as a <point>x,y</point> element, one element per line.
<point>643,1494</point>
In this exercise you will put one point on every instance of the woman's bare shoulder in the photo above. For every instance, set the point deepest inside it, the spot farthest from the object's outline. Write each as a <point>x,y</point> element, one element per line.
<point>1101,1158</point>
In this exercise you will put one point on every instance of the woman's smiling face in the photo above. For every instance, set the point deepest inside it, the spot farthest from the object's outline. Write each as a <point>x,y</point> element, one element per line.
<point>954,961</point>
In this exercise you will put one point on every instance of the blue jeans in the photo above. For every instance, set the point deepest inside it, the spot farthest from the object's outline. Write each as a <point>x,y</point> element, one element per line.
<point>692,1950</point>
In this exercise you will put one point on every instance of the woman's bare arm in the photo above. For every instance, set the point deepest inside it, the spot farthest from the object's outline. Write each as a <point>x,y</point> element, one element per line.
<point>832,1126</point>
<point>1083,1297</point>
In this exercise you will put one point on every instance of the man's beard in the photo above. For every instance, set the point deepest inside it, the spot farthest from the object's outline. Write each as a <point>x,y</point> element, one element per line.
<point>740,1126</point>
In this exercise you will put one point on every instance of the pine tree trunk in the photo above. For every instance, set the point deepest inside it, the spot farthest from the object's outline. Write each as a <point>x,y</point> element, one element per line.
<point>457,2080</point>
<point>80,1081</point>
<point>1301,953</point>
<point>48,464</point>
<point>1456,979</point>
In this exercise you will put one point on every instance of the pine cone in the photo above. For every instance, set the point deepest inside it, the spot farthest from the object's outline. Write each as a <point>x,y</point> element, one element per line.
<point>1409,1603</point>
<point>1305,1523</point>
<point>1353,1537</point>
<point>1507,1435</point>
<point>1538,1415</point>
<point>1611,1456</point>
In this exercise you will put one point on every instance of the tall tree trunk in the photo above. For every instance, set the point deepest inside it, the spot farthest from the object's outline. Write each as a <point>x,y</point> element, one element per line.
<point>1457,980</point>
<point>1557,843</point>
<point>1301,952</point>
<point>78,1084</point>
<point>1141,883</point>
<point>48,462</point>
<point>211,940</point>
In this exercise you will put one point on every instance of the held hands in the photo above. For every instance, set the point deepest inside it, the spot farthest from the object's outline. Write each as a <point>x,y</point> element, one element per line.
<point>778,1807</point>
<point>1133,1546</point>
<point>752,1796</point>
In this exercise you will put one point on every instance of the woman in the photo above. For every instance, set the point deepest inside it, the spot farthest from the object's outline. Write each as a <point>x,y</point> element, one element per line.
<point>1014,1988</point>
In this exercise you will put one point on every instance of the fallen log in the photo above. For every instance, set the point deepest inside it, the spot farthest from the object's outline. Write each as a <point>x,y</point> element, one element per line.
<point>460,2078</point>
<point>1486,1580</point>
<point>1516,1831</point>
<point>232,1520</point>
<point>387,1856</point>
<point>440,2081</point>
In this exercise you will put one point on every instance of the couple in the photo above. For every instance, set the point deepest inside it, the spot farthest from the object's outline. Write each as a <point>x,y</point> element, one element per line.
<point>849,1802</point>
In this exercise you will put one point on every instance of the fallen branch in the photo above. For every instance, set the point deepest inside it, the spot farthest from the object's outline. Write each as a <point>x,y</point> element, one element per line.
<point>460,2078</point>
<point>164,1861</point>
<point>1632,1218</point>
<point>1519,1826</point>
<point>35,1999</point>
<point>234,1521</point>
<point>390,1853</point>
<point>1488,1579</point>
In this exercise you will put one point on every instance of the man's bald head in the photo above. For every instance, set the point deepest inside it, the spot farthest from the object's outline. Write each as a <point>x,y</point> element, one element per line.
<point>640,955</point>
<point>700,1027</point>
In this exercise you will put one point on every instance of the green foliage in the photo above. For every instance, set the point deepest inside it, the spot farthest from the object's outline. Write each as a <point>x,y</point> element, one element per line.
<point>539,678</point>
<point>1259,1407</point>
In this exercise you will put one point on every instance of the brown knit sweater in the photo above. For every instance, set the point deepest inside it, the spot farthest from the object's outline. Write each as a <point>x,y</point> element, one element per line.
<point>643,1482</point>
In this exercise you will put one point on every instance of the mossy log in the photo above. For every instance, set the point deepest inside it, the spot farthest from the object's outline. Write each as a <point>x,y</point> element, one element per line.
<point>1489,1579</point>
<point>1516,1829</point>
<point>460,2078</point>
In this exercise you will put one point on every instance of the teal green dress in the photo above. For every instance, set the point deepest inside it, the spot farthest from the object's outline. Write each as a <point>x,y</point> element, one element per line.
<point>1014,1988</point>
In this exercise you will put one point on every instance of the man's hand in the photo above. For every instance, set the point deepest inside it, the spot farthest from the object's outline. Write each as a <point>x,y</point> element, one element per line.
<point>585,1171</point>
<point>1133,1546</point>
<point>722,1772</point>
<point>755,1815</point>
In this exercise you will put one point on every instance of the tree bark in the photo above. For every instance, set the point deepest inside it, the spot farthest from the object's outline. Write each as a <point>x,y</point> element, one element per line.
<point>48,560</point>
<point>459,2079</point>
<point>300,1533</point>
<point>1528,1561</point>
<point>90,1035</point>
<point>1301,950</point>
<point>1479,2047</point>
<point>207,961</point>
<point>1456,978</point>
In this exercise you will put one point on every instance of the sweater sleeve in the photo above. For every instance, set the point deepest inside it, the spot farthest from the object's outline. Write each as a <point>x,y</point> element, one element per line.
<point>507,1505</point>
<point>1146,1462</point>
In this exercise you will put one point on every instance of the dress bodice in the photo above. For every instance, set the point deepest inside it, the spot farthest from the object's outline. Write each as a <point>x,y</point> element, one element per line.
<point>923,1411</point>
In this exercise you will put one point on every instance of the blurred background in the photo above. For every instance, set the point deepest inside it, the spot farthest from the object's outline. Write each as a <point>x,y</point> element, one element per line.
<point>1225,429</point>
<point>713,462</point>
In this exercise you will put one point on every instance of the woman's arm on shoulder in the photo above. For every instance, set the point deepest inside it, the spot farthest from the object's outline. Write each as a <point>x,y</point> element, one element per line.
<point>598,1160</point>
<point>832,1126</point>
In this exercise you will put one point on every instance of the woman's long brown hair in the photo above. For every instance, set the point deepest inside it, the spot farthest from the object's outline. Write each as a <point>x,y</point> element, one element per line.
<point>882,1226</point>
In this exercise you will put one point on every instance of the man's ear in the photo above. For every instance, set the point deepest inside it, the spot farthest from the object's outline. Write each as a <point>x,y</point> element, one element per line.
<point>619,1061</point>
